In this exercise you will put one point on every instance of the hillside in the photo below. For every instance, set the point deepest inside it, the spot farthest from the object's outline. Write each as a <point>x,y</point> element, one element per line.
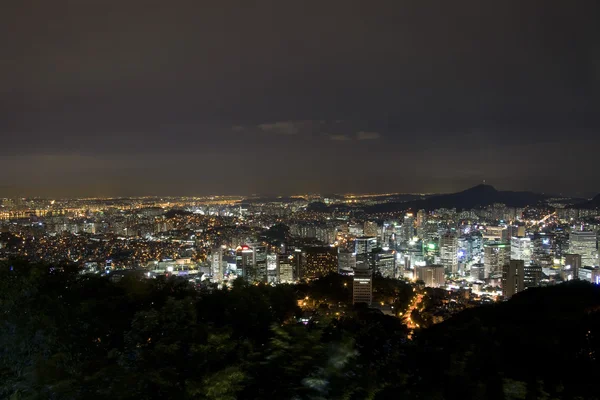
<point>475,197</point>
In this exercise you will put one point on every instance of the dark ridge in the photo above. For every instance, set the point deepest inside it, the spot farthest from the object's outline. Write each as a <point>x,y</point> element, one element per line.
<point>475,197</point>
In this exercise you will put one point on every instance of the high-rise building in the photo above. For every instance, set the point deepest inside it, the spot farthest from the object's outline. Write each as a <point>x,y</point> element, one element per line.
<point>384,263</point>
<point>421,218</point>
<point>362,287</point>
<point>495,256</point>
<point>251,262</point>
<point>590,274</point>
<point>320,261</point>
<point>244,261</point>
<point>478,272</point>
<point>572,266</point>
<point>512,278</point>
<point>432,275</point>
<point>216,264</point>
<point>449,252</point>
<point>532,275</point>
<point>363,246</point>
<point>371,229</point>
<point>407,231</point>
<point>584,244</point>
<point>346,262</point>
<point>520,249</point>
<point>285,268</point>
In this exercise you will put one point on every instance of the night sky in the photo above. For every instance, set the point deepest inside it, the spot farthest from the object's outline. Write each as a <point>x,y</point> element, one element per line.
<point>200,97</point>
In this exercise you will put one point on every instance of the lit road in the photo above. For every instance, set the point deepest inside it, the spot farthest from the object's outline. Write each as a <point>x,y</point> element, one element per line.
<point>414,305</point>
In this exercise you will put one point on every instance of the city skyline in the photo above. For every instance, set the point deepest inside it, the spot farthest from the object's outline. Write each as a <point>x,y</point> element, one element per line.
<point>201,97</point>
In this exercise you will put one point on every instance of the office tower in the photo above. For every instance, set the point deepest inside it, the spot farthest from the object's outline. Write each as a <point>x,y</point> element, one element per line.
<point>421,218</point>
<point>478,272</point>
<point>371,229</point>
<point>298,262</point>
<point>449,252</point>
<point>244,261</point>
<point>590,274</point>
<point>532,275</point>
<point>363,246</point>
<point>320,261</point>
<point>346,262</point>
<point>432,275</point>
<point>251,262</point>
<point>520,249</point>
<point>216,264</point>
<point>407,231</point>
<point>384,263</point>
<point>285,268</point>
<point>362,286</point>
<point>388,235</point>
<point>512,278</point>
<point>512,231</point>
<point>572,266</point>
<point>584,244</point>
<point>495,256</point>
<point>272,268</point>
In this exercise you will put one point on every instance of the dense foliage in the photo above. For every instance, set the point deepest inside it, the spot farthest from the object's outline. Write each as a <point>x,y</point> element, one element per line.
<point>69,336</point>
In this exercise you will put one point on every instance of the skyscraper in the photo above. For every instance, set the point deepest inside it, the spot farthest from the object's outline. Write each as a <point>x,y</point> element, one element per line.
<point>584,244</point>
<point>320,261</point>
<point>371,229</point>
<point>432,275</point>
<point>285,268</point>
<point>520,249</point>
<point>363,246</point>
<point>572,266</point>
<point>384,263</point>
<point>216,264</point>
<point>346,262</point>
<point>512,278</point>
<point>495,256</point>
<point>449,252</point>
<point>362,286</point>
<point>251,262</point>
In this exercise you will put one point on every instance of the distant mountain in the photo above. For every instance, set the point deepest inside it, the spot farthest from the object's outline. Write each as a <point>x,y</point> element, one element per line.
<point>475,197</point>
<point>592,204</point>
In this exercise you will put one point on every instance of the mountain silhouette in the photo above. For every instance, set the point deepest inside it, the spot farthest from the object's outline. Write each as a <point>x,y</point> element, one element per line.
<point>475,197</point>
<point>592,204</point>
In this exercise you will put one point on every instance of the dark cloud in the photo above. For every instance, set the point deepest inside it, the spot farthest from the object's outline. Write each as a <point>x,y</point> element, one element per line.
<point>453,91</point>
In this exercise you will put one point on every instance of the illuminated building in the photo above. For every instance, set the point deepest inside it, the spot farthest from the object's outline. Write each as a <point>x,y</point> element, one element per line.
<point>572,266</point>
<point>362,286</point>
<point>430,251</point>
<point>532,275</point>
<point>495,256</point>
<point>285,268</point>
<point>320,261</point>
<point>370,228</point>
<point>251,262</point>
<point>590,274</point>
<point>584,244</point>
<point>363,246</point>
<point>520,249</point>
<point>272,268</point>
<point>346,262</point>
<point>478,272</point>
<point>384,262</point>
<point>512,282</point>
<point>449,252</point>
<point>216,264</point>
<point>407,231</point>
<point>432,275</point>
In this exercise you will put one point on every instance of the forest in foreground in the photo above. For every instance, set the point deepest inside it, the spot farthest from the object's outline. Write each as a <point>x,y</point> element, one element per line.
<point>64,335</point>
